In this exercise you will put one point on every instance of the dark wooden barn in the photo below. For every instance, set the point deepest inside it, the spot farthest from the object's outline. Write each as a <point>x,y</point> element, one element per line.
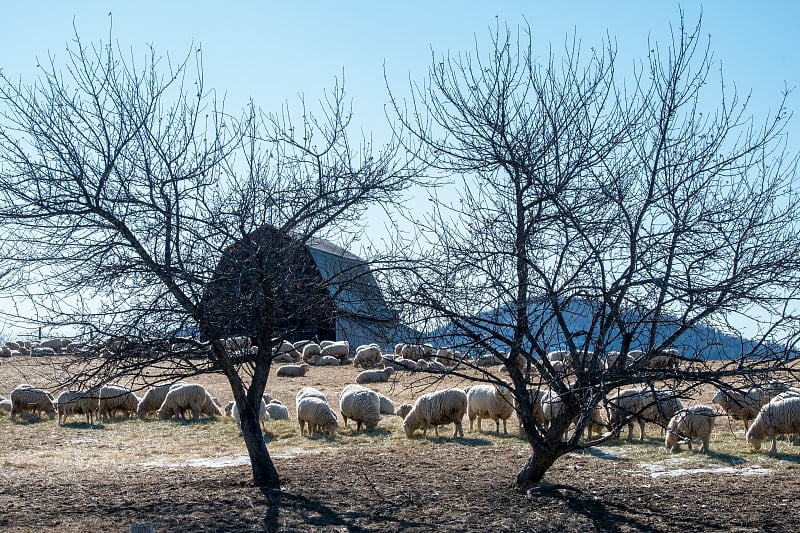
<point>319,291</point>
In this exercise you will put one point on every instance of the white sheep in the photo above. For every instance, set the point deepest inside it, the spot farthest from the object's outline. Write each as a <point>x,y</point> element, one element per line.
<point>489,401</point>
<point>612,358</point>
<point>374,376</point>
<point>695,422</point>
<point>263,415</point>
<point>744,406</point>
<point>664,359</point>
<point>367,355</point>
<point>311,349</point>
<point>488,360</point>
<point>293,371</point>
<point>318,415</point>
<point>76,402</point>
<point>5,406</point>
<point>387,405</point>
<point>361,405</point>
<point>404,409</point>
<point>642,405</point>
<point>398,363</point>
<point>277,411</point>
<point>283,358</point>
<point>436,409</point>
<point>416,352</point>
<point>780,417</point>
<point>27,398</point>
<point>338,349</point>
<point>153,399</point>
<point>324,360</point>
<point>228,408</point>
<point>190,396</point>
<point>117,397</point>
<point>309,392</point>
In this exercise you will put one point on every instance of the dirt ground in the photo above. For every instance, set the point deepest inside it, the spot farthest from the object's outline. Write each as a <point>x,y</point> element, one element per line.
<point>107,477</point>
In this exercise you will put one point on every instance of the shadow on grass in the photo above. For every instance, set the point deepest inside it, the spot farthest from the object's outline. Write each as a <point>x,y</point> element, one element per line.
<point>82,425</point>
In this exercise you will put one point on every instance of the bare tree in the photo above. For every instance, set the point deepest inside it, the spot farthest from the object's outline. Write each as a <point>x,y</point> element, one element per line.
<point>597,216</point>
<point>125,186</point>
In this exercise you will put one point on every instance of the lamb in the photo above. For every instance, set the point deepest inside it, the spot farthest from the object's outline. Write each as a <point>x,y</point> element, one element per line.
<point>318,415</point>
<point>42,351</point>
<point>78,402</point>
<point>153,399</point>
<point>489,401</point>
<point>293,371</point>
<point>263,415</point>
<point>436,409</point>
<point>309,392</point>
<point>277,411</point>
<point>338,349</point>
<point>27,398</point>
<point>367,355</point>
<point>374,376</point>
<point>190,396</point>
<point>361,405</point>
<point>773,419</point>
<point>116,397</point>
<point>696,422</point>
<point>324,360</point>
<point>404,409</point>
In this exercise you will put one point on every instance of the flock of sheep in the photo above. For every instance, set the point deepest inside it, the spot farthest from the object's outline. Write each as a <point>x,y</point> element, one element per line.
<point>774,409</point>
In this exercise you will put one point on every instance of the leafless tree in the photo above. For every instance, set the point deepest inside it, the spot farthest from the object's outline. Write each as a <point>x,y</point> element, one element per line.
<point>124,185</point>
<point>599,216</point>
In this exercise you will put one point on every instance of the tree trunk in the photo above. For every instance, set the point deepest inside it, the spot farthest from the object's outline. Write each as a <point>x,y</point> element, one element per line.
<point>534,469</point>
<point>264,472</point>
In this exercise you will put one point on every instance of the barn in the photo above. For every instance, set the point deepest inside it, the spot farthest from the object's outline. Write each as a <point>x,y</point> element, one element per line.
<point>318,291</point>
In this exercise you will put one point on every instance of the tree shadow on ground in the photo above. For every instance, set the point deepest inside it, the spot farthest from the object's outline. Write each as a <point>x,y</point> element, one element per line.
<point>82,425</point>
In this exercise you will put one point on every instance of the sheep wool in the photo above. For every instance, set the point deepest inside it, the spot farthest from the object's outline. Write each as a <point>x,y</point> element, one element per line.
<point>27,398</point>
<point>293,371</point>
<point>77,402</point>
<point>695,422</point>
<point>374,376</point>
<point>263,415</point>
<point>436,409</point>
<point>367,355</point>
<point>361,405</point>
<point>277,411</point>
<point>489,402</point>
<point>309,392</point>
<point>114,398</point>
<point>190,396</point>
<point>318,415</point>
<point>775,418</point>
<point>153,398</point>
<point>387,405</point>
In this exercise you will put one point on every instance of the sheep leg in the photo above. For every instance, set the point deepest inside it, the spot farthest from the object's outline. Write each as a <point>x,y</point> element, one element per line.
<point>459,431</point>
<point>641,429</point>
<point>689,443</point>
<point>704,446</point>
<point>774,447</point>
<point>505,429</point>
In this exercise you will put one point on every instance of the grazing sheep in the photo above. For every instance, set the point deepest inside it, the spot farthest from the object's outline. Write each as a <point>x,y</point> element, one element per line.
<point>489,401</point>
<point>780,417</point>
<point>404,409</point>
<point>488,360</point>
<point>77,402</point>
<point>309,392</point>
<point>190,396</point>
<point>415,352</point>
<point>153,399</point>
<point>535,397</point>
<point>374,376</point>
<point>361,405</point>
<point>367,355</point>
<point>277,411</point>
<point>744,406</point>
<point>338,349</point>
<point>436,409</point>
<point>695,422</point>
<point>116,397</point>
<point>293,371</point>
<point>324,360</point>
<point>318,415</point>
<point>27,398</point>
<point>311,349</point>
<point>387,405</point>
<point>263,415</point>
<point>664,359</point>
<point>642,405</point>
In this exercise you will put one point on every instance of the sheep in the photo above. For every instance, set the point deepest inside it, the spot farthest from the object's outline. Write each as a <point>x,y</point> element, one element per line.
<point>743,406</point>
<point>285,351</point>
<point>78,402</point>
<point>324,360</point>
<point>436,409</point>
<point>404,409</point>
<point>42,351</point>
<point>318,415</point>
<point>488,360</point>
<point>228,408</point>
<point>612,358</point>
<point>153,399</point>
<point>283,358</point>
<point>387,405</point>
<point>277,411</point>
<point>416,352</point>
<point>374,376</point>
<point>422,365</point>
<point>293,371</point>
<point>5,406</point>
<point>489,401</point>
<point>27,398</point>
<point>311,349</point>
<point>560,355</point>
<point>309,392</point>
<point>436,366</point>
<point>263,415</point>
<point>5,351</point>
<point>399,363</point>
<point>642,405</point>
<point>116,397</point>
<point>551,406</point>
<point>773,419</point>
<point>664,359</point>
<point>338,349</point>
<point>696,422</point>
<point>236,344</point>
<point>361,405</point>
<point>190,396</point>
<point>367,355</point>
<point>398,348</point>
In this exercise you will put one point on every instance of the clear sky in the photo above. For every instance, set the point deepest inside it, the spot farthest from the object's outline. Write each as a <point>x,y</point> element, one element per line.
<point>272,51</point>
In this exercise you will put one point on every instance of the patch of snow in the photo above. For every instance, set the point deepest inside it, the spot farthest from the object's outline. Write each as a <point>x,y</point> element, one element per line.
<point>223,462</point>
<point>657,470</point>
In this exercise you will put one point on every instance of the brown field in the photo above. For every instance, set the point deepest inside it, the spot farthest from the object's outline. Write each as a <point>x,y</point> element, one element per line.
<point>194,476</point>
